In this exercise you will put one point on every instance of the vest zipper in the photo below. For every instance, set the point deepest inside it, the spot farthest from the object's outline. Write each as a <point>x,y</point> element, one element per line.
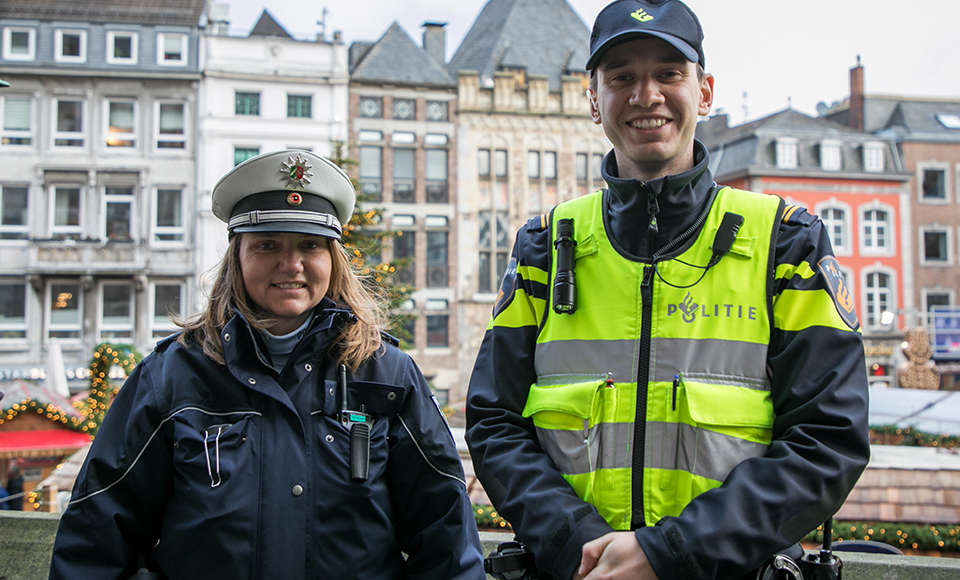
<point>643,376</point>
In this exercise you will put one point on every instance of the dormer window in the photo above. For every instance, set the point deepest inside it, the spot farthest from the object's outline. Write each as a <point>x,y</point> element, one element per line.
<point>830,158</point>
<point>873,157</point>
<point>787,153</point>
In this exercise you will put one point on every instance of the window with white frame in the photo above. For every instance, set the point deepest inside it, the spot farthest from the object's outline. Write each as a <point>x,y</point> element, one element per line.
<point>873,157</point>
<point>168,223</point>
<point>64,310</point>
<point>13,310</point>
<point>246,103</point>
<point>438,330</point>
<point>16,113</point>
<point>371,172</point>
<point>300,106</point>
<point>876,230</point>
<point>118,213</point>
<point>19,43</point>
<point>171,49</point>
<point>116,310</point>
<point>483,163</point>
<point>71,46</point>
<point>404,175</point>
<point>533,164</point>
<point>494,251</point>
<point>241,154</point>
<point>935,246</point>
<point>122,47</point>
<point>878,297</point>
<point>935,298</point>
<point>65,212</point>
<point>787,153</point>
<point>500,163</point>
<point>14,206</point>
<point>835,223</point>
<point>435,172</point>
<point>438,269</point>
<point>68,123</point>
<point>830,158</point>
<point>167,301</point>
<point>550,165</point>
<point>121,116</point>
<point>170,126</point>
<point>597,167</point>
<point>933,183</point>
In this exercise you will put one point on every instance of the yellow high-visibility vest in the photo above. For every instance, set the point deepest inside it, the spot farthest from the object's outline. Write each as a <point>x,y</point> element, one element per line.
<point>705,392</point>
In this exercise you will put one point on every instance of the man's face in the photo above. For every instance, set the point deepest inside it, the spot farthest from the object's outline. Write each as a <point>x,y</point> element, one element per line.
<point>648,99</point>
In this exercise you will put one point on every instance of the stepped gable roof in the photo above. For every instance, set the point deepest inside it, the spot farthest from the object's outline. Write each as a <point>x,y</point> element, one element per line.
<point>395,58</point>
<point>544,37</point>
<point>267,25</point>
<point>150,12</point>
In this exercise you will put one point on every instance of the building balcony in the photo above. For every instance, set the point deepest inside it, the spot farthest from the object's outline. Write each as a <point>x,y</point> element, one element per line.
<point>72,257</point>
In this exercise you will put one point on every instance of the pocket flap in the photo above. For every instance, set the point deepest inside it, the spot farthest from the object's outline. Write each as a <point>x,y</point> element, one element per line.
<point>575,399</point>
<point>726,405</point>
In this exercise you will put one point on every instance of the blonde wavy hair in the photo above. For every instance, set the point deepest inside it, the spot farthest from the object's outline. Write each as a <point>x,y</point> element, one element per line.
<point>356,343</point>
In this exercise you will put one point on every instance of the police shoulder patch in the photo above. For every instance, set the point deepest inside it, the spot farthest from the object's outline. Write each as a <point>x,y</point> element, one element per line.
<point>842,298</point>
<point>539,223</point>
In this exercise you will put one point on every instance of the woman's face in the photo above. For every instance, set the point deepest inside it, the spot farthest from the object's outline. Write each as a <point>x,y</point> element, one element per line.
<point>285,274</point>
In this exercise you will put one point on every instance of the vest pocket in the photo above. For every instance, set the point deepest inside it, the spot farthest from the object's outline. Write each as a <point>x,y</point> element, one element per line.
<point>718,426</point>
<point>576,426</point>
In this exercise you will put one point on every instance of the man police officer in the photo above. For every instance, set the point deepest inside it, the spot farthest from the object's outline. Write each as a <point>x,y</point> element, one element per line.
<point>702,404</point>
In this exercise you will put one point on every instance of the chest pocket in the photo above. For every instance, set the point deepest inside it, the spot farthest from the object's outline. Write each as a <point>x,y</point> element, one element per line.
<point>209,446</point>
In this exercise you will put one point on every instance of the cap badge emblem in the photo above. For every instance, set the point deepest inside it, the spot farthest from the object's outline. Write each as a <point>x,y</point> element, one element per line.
<point>297,171</point>
<point>642,16</point>
<point>294,199</point>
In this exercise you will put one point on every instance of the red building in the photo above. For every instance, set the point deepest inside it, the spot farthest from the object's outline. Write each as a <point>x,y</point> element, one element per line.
<point>855,183</point>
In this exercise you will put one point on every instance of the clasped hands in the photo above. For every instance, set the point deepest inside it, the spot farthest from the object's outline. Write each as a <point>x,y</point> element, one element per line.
<point>615,556</point>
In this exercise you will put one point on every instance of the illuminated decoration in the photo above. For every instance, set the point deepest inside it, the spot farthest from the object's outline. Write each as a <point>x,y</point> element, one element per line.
<point>297,170</point>
<point>102,390</point>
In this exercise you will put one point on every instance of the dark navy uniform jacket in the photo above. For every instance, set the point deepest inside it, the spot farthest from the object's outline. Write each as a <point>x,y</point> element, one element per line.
<point>221,473</point>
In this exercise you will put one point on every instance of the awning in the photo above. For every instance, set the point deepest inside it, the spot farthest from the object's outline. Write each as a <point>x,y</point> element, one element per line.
<point>44,443</point>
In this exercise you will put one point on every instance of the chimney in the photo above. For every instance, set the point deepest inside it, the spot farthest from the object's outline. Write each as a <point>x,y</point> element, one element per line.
<point>435,40</point>
<point>855,114</point>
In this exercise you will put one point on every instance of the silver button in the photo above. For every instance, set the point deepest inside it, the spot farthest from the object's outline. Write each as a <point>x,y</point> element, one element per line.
<point>308,366</point>
<point>391,396</point>
<point>331,391</point>
<point>226,337</point>
<point>252,381</point>
<point>297,490</point>
<point>329,438</point>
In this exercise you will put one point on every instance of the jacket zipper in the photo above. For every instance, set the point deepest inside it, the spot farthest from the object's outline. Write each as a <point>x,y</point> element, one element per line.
<point>643,374</point>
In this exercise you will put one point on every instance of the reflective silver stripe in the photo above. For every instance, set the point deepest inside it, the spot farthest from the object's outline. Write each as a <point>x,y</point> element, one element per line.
<point>724,362</point>
<point>699,451</point>
<point>281,215</point>
<point>588,357</point>
<point>574,454</point>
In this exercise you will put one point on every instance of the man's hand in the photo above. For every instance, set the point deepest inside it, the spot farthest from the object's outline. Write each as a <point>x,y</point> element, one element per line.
<point>614,556</point>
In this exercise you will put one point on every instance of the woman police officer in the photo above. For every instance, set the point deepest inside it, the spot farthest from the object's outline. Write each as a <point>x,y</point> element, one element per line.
<point>227,453</point>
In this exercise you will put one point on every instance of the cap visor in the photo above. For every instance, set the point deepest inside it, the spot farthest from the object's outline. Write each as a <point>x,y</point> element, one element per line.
<point>290,227</point>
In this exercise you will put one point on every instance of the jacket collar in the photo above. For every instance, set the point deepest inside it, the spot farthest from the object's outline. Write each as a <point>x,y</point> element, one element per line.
<point>677,201</point>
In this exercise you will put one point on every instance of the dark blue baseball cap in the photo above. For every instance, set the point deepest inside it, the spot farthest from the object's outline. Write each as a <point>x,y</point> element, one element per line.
<point>668,20</point>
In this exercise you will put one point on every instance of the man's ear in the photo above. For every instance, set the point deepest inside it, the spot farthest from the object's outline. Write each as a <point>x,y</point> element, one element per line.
<point>706,94</point>
<point>594,109</point>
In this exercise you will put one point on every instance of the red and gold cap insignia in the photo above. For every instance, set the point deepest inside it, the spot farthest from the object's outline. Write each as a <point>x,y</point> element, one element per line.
<point>297,171</point>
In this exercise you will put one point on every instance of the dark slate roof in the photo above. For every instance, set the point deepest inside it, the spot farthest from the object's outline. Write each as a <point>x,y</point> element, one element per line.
<point>906,118</point>
<point>268,26</point>
<point>150,12</point>
<point>544,37</point>
<point>397,59</point>
<point>753,145</point>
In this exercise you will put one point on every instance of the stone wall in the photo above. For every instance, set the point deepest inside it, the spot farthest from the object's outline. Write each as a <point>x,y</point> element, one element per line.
<point>26,540</point>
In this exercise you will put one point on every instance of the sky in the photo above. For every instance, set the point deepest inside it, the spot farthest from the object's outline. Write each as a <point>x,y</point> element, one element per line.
<point>765,55</point>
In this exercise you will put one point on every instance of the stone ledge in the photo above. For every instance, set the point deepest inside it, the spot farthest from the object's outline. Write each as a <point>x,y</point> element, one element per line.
<point>26,539</point>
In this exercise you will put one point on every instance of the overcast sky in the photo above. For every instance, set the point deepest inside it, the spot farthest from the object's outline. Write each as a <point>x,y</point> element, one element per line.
<point>765,54</point>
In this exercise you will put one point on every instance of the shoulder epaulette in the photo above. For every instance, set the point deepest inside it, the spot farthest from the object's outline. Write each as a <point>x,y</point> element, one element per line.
<point>389,338</point>
<point>539,223</point>
<point>795,214</point>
